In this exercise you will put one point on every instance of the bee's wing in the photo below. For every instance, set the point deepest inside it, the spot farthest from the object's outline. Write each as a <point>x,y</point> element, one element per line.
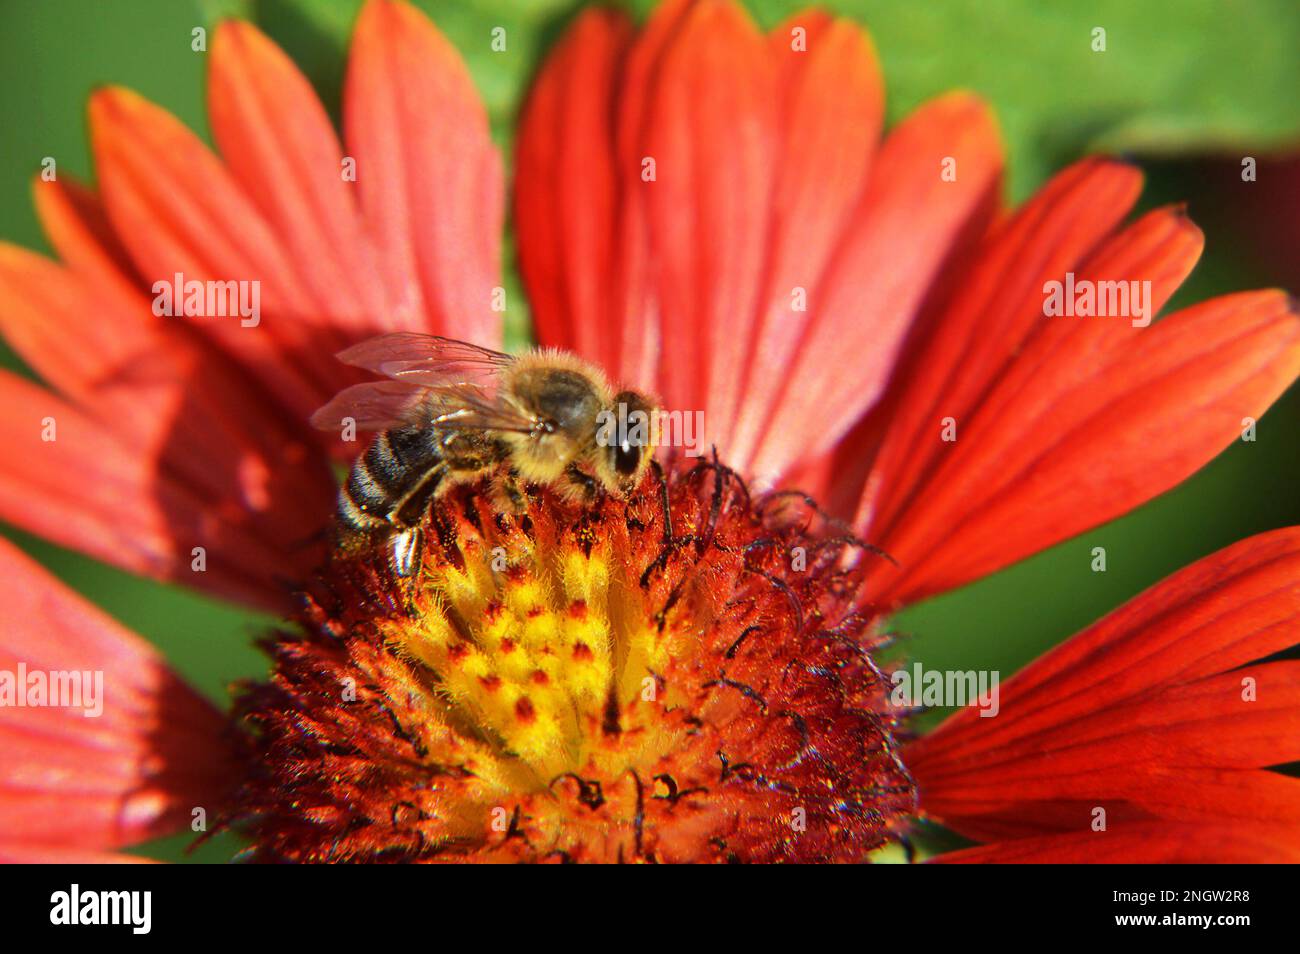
<point>374,406</point>
<point>469,407</point>
<point>428,360</point>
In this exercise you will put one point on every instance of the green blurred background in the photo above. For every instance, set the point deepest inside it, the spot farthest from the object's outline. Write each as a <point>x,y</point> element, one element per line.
<point>1186,87</point>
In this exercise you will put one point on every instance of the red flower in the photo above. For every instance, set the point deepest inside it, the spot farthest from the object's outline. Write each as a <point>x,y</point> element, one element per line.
<point>705,211</point>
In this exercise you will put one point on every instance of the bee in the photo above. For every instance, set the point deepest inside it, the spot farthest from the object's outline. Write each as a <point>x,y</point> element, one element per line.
<point>450,412</point>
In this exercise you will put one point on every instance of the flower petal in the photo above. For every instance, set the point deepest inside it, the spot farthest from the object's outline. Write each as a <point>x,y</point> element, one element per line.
<point>71,479</point>
<point>831,107</point>
<point>165,397</point>
<point>999,304</point>
<point>429,178</point>
<point>15,852</point>
<point>78,227</point>
<point>278,142</point>
<point>179,212</point>
<point>1093,418</point>
<point>1141,843</point>
<point>910,222</point>
<point>1146,714</point>
<point>763,194</point>
<point>711,133</point>
<point>70,778</point>
<point>570,199</point>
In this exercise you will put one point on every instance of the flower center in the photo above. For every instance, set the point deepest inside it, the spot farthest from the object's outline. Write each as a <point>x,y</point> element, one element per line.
<point>684,675</point>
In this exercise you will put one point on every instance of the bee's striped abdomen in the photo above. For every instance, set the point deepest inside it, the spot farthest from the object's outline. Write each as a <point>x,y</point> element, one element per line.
<point>398,463</point>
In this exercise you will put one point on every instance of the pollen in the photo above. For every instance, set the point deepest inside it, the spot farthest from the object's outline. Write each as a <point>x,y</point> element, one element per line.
<point>644,679</point>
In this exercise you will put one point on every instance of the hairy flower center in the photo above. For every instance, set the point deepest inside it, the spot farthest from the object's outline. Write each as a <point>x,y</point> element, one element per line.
<point>684,675</point>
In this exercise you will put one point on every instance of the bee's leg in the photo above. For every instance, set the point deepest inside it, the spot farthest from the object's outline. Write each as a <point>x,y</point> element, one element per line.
<point>405,558</point>
<point>405,549</point>
<point>411,510</point>
<point>587,486</point>
<point>507,492</point>
<point>406,539</point>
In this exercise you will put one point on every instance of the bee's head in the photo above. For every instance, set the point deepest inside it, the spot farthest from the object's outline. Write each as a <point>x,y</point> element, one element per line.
<point>625,440</point>
<point>562,401</point>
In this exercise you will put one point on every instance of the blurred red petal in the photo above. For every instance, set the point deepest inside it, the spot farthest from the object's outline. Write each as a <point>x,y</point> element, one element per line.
<point>429,177</point>
<point>103,494</point>
<point>1146,714</point>
<point>77,225</point>
<point>135,771</point>
<point>15,852</point>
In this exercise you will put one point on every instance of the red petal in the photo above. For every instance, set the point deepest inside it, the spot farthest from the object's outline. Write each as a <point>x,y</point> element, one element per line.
<point>752,191</point>
<point>711,132</point>
<point>14,852</point>
<point>1143,714</point>
<point>95,491</point>
<point>831,108</point>
<point>188,417</point>
<point>77,226</point>
<point>569,191</point>
<point>429,177</point>
<point>134,772</point>
<point>1141,843</point>
<point>999,304</point>
<point>1093,418</point>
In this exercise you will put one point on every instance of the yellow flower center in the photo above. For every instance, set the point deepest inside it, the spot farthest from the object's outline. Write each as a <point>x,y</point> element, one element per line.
<point>681,676</point>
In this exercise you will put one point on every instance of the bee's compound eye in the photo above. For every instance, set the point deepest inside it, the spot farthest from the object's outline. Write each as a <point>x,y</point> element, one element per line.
<point>627,458</point>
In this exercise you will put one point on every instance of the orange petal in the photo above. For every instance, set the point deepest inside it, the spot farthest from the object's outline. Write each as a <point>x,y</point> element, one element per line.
<point>178,407</point>
<point>665,281</point>
<point>831,107</point>
<point>711,133</point>
<point>1146,714</point>
<point>16,852</point>
<point>178,211</point>
<point>429,178</point>
<point>278,142</point>
<point>75,779</point>
<point>76,224</point>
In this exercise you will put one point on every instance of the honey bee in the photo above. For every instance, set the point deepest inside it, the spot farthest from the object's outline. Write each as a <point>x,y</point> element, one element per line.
<point>451,412</point>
